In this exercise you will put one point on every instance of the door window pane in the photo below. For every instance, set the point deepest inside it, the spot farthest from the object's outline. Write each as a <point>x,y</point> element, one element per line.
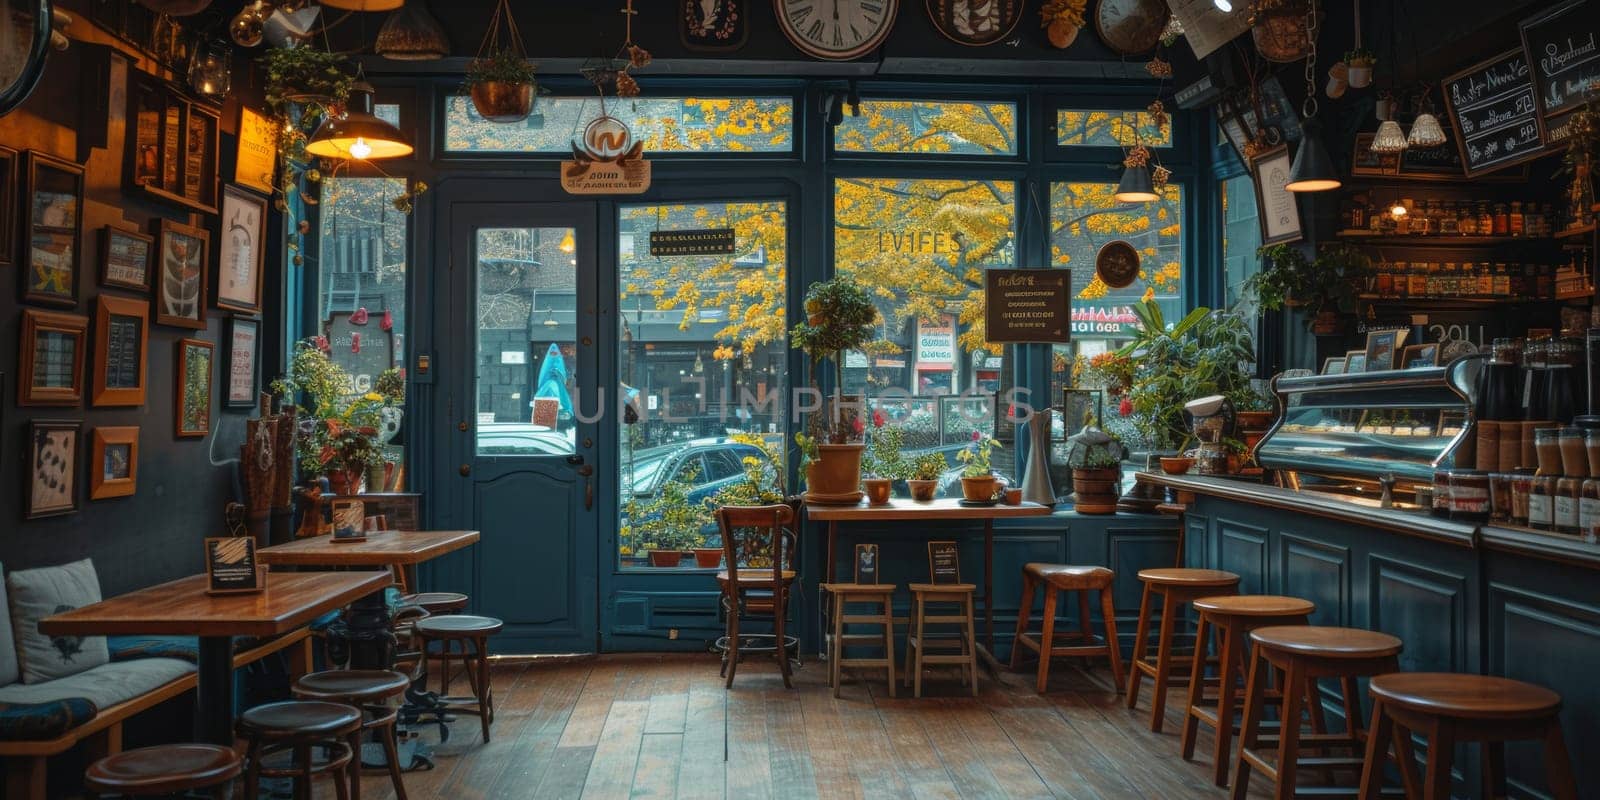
<point>525,312</point>
<point>1241,238</point>
<point>664,124</point>
<point>927,126</point>
<point>1110,128</point>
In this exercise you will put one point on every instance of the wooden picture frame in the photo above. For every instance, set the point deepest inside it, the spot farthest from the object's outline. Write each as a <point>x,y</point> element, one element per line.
<point>50,260</point>
<point>1277,208</point>
<point>1419,355</point>
<point>944,563</point>
<point>1075,405</point>
<point>243,338</point>
<point>178,294</point>
<point>1333,366</point>
<point>257,155</point>
<point>125,259</point>
<point>8,203</point>
<point>50,358</point>
<point>241,249</point>
<point>52,468</point>
<point>121,351</point>
<point>1365,162</point>
<point>113,462</point>
<point>1382,348</point>
<point>192,398</point>
<point>172,146</point>
<point>1355,361</point>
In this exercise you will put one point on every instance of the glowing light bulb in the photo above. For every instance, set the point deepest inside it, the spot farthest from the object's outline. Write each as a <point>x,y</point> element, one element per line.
<point>1397,210</point>
<point>1222,5</point>
<point>568,244</point>
<point>360,149</point>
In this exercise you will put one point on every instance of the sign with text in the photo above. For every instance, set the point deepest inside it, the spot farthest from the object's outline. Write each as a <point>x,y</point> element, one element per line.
<point>363,349</point>
<point>866,564</point>
<point>944,563</point>
<point>231,565</point>
<point>1495,113</point>
<point>1563,46</point>
<point>258,151</point>
<point>1207,27</point>
<point>936,342</point>
<point>1027,305</point>
<point>914,241</point>
<point>700,242</point>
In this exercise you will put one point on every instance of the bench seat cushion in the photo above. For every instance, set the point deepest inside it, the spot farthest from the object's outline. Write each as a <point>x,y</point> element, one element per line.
<point>104,686</point>
<point>32,722</point>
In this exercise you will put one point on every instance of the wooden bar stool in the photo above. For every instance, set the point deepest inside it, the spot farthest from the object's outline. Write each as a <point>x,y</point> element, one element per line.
<point>1058,578</point>
<point>1178,587</point>
<point>1306,653</point>
<point>466,629</point>
<point>436,602</point>
<point>1448,708</point>
<point>919,642</point>
<point>1231,618</point>
<point>367,690</point>
<point>881,595</point>
<point>298,726</point>
<point>164,770</point>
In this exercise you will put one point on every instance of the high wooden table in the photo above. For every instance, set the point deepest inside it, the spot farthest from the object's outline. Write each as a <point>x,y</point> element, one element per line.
<point>182,608</point>
<point>902,510</point>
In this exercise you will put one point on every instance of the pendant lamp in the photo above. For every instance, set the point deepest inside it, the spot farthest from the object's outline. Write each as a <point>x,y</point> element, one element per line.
<point>363,5</point>
<point>412,34</point>
<point>1135,186</point>
<point>1426,132</point>
<point>358,134</point>
<point>1390,138</point>
<point>1312,170</point>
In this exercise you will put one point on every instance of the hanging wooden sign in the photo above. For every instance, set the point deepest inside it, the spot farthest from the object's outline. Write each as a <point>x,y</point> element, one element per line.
<point>1027,305</point>
<point>1494,113</point>
<point>694,242</point>
<point>606,160</point>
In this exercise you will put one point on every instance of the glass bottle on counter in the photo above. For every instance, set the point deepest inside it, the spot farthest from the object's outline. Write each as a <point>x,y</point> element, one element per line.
<point>1485,219</point>
<point>1569,492</point>
<point>1541,503</point>
<point>1589,511</point>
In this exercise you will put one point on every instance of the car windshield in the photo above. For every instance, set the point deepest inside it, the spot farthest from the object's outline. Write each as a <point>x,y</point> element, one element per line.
<point>645,471</point>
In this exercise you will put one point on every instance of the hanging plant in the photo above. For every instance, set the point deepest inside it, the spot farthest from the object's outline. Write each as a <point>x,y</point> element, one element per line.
<point>1061,20</point>
<point>1280,29</point>
<point>500,79</point>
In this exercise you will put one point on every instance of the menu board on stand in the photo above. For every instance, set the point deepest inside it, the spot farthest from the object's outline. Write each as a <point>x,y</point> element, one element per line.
<point>1563,45</point>
<point>1494,114</point>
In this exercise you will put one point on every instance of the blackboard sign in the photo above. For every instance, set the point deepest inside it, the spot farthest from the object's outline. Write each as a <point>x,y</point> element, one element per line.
<point>124,343</point>
<point>699,242</point>
<point>1563,46</point>
<point>866,564</point>
<point>1494,113</point>
<point>1442,163</point>
<point>231,565</point>
<point>363,350</point>
<point>1027,305</point>
<point>944,563</point>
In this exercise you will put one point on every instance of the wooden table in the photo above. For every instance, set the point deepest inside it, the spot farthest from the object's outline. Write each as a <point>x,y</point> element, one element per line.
<point>182,608</point>
<point>902,510</point>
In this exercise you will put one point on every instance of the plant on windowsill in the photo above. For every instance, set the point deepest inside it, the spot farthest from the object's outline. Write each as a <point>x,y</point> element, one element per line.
<point>883,463</point>
<point>839,318</point>
<point>340,437</point>
<point>978,483</point>
<point>1095,457</point>
<point>668,523</point>
<point>926,471</point>
<point>762,485</point>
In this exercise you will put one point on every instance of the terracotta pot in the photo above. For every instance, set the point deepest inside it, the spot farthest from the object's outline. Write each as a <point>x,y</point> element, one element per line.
<point>835,475</point>
<point>922,491</point>
<point>1254,420</point>
<point>498,101</point>
<point>978,490</point>
<point>1176,465</point>
<point>1096,490</point>
<point>708,557</point>
<point>1013,497</point>
<point>877,490</point>
<point>666,558</point>
<point>345,481</point>
<point>1062,34</point>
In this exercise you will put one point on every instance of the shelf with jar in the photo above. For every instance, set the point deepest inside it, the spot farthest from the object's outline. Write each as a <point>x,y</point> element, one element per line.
<point>1460,221</point>
<point>1477,282</point>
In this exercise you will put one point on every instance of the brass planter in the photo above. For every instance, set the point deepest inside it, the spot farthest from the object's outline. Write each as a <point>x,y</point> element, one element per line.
<point>499,101</point>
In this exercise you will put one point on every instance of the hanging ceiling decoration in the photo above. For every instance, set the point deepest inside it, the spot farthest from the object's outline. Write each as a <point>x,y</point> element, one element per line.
<point>412,34</point>
<point>363,5</point>
<point>1312,170</point>
<point>359,134</point>
<point>1390,138</point>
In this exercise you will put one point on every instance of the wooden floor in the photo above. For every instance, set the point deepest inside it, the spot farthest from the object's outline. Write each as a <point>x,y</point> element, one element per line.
<point>657,726</point>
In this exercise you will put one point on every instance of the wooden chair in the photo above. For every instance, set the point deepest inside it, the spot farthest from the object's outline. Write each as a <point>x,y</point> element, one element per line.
<point>880,595</point>
<point>1058,578</point>
<point>1177,587</point>
<point>1447,709</point>
<point>467,630</point>
<point>301,726</point>
<point>368,690</point>
<point>759,546</point>
<point>168,769</point>
<point>962,652</point>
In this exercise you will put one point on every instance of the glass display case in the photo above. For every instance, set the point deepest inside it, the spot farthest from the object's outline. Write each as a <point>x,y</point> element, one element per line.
<point>1359,429</point>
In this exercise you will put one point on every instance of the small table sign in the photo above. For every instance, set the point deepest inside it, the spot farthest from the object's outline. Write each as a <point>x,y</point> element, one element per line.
<point>349,520</point>
<point>231,566</point>
<point>944,562</point>
<point>867,564</point>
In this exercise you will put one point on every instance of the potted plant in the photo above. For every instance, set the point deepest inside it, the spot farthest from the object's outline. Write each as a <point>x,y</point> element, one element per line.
<point>501,85</point>
<point>761,485</point>
<point>1061,20</point>
<point>1095,457</point>
<point>1360,61</point>
<point>1205,353</point>
<point>1321,288</point>
<point>667,523</point>
<point>339,436</point>
<point>925,473</point>
<point>839,317</point>
<point>883,464</point>
<point>1253,411</point>
<point>978,482</point>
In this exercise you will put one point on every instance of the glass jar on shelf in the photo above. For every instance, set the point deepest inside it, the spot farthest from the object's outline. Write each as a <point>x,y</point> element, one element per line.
<point>1500,223</point>
<point>1514,222</point>
<point>1485,219</point>
<point>1466,222</point>
<point>1449,223</point>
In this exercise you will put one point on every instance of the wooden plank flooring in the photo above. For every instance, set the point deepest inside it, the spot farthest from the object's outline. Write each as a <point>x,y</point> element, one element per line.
<point>657,726</point>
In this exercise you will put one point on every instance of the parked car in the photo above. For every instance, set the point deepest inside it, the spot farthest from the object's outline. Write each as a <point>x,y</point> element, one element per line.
<point>709,464</point>
<point>523,439</point>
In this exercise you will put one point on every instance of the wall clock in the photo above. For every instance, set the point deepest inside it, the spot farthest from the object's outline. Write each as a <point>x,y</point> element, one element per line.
<point>975,22</point>
<point>835,30</point>
<point>1131,27</point>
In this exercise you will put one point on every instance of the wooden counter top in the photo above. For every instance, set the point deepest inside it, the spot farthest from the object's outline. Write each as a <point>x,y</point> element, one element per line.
<point>182,607</point>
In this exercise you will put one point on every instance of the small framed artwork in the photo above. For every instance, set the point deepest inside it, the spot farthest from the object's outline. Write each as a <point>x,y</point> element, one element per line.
<point>866,564</point>
<point>244,339</point>
<point>50,358</point>
<point>1420,355</point>
<point>1333,366</point>
<point>1355,361</point>
<point>240,250</point>
<point>8,199</point>
<point>52,468</point>
<point>1382,346</point>
<point>121,339</point>
<point>179,293</point>
<point>113,462</point>
<point>1234,131</point>
<point>349,518</point>
<point>1365,162</point>
<point>944,563</point>
<point>193,409</point>
<point>125,259</point>
<point>1279,210</point>
<point>52,213</point>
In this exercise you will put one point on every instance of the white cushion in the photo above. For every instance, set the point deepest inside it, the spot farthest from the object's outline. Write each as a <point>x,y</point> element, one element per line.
<point>105,685</point>
<point>39,593</point>
<point>9,672</point>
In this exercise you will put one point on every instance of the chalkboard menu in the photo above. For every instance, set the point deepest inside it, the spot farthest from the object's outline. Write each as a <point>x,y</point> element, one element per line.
<point>1027,305</point>
<point>944,563</point>
<point>1563,45</point>
<point>122,352</point>
<point>1494,113</point>
<point>1433,163</point>
<point>866,564</point>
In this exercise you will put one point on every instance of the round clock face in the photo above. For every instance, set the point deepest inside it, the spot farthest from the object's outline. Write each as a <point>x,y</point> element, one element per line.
<point>836,30</point>
<point>1131,27</point>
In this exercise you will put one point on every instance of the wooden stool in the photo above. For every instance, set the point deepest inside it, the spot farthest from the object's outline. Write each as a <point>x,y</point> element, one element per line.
<point>879,594</point>
<point>466,629</point>
<point>437,602</point>
<point>1231,618</point>
<point>298,726</point>
<point>918,642</point>
<point>1447,709</point>
<point>1177,587</point>
<point>165,769</point>
<point>366,689</point>
<point>1305,653</point>
<point>1058,578</point>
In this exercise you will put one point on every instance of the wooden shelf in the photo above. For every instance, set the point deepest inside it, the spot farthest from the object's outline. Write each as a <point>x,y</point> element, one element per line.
<point>1469,302</point>
<point>178,200</point>
<point>1442,241</point>
<point>1574,233</point>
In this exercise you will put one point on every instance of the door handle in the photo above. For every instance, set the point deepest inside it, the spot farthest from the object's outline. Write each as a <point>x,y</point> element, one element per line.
<point>465,470</point>
<point>587,473</point>
<point>575,459</point>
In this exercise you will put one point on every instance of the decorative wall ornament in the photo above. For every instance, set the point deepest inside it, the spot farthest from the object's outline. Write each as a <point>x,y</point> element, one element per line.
<point>1061,20</point>
<point>606,159</point>
<point>975,22</point>
<point>25,31</point>
<point>713,26</point>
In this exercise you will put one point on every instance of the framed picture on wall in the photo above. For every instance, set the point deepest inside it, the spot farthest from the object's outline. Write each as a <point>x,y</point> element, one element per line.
<point>8,201</point>
<point>125,259</point>
<point>50,358</point>
<point>244,339</point>
<point>121,340</point>
<point>1278,209</point>
<point>52,477</point>
<point>240,250</point>
<point>193,406</point>
<point>52,218</point>
<point>180,281</point>
<point>113,462</point>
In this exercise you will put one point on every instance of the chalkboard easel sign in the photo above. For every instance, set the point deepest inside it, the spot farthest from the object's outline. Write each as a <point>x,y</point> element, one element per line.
<point>1494,114</point>
<point>866,564</point>
<point>1563,46</point>
<point>1027,305</point>
<point>231,566</point>
<point>944,563</point>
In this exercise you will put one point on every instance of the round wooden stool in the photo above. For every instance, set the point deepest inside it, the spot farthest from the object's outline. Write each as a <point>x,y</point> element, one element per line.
<point>366,689</point>
<point>1305,653</point>
<point>962,652</point>
<point>298,726</point>
<point>1231,618</point>
<point>1178,586</point>
<point>881,596</point>
<point>1448,708</point>
<point>164,769</point>
<point>437,602</point>
<point>465,629</point>
<point>1058,578</point>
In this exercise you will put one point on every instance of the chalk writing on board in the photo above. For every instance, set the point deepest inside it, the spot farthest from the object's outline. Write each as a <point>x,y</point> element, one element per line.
<point>1495,113</point>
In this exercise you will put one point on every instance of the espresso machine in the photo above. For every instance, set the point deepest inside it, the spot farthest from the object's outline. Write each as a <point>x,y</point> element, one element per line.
<point>1211,421</point>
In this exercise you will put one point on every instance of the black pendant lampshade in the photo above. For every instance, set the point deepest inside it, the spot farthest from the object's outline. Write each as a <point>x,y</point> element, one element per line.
<point>1136,186</point>
<point>1312,170</point>
<point>358,134</point>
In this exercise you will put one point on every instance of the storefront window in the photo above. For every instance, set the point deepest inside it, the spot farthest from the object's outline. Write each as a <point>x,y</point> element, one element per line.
<point>664,124</point>
<point>1082,128</point>
<point>1241,238</point>
<point>925,126</point>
